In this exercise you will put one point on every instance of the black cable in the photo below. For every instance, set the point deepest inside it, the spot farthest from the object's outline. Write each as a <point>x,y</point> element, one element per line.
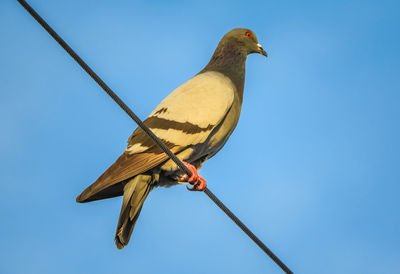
<point>103,85</point>
<point>247,231</point>
<point>131,114</point>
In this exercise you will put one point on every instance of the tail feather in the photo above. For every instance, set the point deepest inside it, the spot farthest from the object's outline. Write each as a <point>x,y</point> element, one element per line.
<point>135,193</point>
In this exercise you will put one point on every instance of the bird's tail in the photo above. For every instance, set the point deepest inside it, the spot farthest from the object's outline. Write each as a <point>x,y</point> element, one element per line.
<point>135,192</point>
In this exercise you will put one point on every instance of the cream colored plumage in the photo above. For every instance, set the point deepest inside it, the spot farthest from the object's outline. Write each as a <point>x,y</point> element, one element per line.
<point>194,121</point>
<point>202,101</point>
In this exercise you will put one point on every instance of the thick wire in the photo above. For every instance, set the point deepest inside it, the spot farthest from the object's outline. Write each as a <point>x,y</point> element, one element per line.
<point>131,114</point>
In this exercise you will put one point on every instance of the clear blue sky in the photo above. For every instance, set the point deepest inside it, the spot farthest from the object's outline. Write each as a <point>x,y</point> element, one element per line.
<point>313,166</point>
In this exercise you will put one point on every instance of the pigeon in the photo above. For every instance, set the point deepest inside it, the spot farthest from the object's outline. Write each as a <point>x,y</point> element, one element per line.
<point>194,122</point>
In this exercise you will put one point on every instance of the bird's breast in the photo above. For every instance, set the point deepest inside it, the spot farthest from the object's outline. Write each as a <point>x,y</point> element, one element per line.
<point>221,134</point>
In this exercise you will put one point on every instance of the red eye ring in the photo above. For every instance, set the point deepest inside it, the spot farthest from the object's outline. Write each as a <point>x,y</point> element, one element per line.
<point>248,34</point>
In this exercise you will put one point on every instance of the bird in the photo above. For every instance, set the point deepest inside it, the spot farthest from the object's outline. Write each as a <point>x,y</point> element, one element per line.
<point>194,122</point>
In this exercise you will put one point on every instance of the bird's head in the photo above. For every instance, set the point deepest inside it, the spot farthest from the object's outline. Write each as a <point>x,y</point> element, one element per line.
<point>246,39</point>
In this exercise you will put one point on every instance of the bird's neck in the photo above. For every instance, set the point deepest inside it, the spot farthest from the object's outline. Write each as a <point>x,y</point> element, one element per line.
<point>229,60</point>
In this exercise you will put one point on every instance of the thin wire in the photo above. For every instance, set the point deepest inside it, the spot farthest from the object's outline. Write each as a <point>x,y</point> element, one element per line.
<point>247,231</point>
<point>131,114</point>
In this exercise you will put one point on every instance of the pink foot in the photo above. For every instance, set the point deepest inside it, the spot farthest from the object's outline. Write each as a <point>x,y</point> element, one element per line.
<point>199,184</point>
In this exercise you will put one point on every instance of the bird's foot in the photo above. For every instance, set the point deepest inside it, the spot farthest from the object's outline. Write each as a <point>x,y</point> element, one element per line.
<point>198,182</point>
<point>199,185</point>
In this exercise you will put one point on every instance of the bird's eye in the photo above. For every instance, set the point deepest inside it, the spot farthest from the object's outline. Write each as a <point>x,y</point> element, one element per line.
<point>248,34</point>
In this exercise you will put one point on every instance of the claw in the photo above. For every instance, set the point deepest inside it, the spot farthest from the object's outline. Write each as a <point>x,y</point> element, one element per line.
<point>199,185</point>
<point>198,182</point>
<point>191,179</point>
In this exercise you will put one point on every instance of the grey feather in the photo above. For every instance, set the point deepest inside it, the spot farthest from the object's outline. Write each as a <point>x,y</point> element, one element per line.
<point>135,193</point>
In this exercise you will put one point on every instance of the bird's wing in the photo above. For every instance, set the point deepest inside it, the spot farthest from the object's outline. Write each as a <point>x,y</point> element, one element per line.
<point>184,118</point>
<point>189,114</point>
<point>126,166</point>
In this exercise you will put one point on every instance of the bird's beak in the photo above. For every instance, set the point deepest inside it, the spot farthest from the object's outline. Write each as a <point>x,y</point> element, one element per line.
<point>261,50</point>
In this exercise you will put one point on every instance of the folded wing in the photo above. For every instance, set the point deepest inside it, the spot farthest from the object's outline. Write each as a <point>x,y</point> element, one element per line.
<point>185,118</point>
